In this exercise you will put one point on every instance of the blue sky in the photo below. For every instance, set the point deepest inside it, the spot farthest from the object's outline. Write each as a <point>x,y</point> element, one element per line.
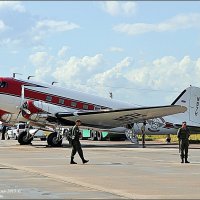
<point>144,52</point>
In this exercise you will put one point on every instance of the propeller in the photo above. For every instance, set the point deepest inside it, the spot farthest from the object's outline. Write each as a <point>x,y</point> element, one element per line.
<point>23,107</point>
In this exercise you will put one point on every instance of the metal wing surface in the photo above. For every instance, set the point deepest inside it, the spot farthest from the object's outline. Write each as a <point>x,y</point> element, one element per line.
<point>120,117</point>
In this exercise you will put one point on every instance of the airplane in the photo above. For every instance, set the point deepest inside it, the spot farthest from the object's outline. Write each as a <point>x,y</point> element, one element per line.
<point>48,106</point>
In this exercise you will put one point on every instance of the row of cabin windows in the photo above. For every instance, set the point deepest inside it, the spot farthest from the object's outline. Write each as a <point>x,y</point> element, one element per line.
<point>73,104</point>
<point>4,84</point>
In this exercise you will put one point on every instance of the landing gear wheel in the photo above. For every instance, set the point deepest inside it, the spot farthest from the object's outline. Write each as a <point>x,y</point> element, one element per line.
<point>131,136</point>
<point>23,139</point>
<point>53,141</point>
<point>99,136</point>
<point>92,135</point>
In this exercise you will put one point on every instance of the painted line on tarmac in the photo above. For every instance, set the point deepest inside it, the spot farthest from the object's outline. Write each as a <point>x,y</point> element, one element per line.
<point>72,181</point>
<point>64,179</point>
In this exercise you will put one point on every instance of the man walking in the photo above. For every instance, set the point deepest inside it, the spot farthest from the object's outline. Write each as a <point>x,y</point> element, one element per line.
<point>183,135</point>
<point>76,145</point>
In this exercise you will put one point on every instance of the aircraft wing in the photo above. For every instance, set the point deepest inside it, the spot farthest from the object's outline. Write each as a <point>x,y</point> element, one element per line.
<point>120,117</point>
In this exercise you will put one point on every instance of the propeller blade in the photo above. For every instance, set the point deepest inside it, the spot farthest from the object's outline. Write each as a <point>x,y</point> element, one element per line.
<point>18,115</point>
<point>22,97</point>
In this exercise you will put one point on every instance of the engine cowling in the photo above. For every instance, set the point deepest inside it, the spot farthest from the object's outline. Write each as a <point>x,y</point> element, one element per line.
<point>5,116</point>
<point>32,110</point>
<point>39,111</point>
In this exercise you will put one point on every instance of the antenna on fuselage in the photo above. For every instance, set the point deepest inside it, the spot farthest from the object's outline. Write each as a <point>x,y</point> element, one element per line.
<point>15,74</point>
<point>30,77</point>
<point>53,82</point>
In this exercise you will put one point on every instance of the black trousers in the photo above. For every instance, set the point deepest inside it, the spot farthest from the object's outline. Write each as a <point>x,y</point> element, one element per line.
<point>76,146</point>
<point>184,144</point>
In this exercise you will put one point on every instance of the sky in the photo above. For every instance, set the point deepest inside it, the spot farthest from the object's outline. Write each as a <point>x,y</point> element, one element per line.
<point>144,52</point>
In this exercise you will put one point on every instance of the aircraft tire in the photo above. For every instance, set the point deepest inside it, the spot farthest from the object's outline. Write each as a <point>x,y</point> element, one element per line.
<point>52,140</point>
<point>22,138</point>
<point>92,135</point>
<point>99,135</point>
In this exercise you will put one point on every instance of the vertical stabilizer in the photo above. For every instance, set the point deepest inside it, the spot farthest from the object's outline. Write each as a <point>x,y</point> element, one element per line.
<point>190,98</point>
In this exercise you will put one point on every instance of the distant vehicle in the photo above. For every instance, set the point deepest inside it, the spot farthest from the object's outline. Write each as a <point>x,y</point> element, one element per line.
<point>13,132</point>
<point>9,134</point>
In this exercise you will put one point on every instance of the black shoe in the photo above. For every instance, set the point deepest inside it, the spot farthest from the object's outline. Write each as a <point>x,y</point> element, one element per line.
<point>186,161</point>
<point>85,161</point>
<point>72,162</point>
<point>182,161</point>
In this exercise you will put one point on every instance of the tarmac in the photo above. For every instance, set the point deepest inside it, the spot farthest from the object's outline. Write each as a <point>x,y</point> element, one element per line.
<point>116,170</point>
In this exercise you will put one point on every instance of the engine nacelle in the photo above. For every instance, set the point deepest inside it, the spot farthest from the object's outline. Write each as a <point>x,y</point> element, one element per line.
<point>39,111</point>
<point>5,116</point>
<point>38,117</point>
<point>29,108</point>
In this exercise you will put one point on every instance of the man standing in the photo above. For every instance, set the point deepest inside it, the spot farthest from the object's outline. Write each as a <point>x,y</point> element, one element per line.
<point>76,145</point>
<point>3,132</point>
<point>183,135</point>
<point>143,134</point>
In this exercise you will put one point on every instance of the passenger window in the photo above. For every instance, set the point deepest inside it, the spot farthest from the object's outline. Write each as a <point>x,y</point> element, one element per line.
<point>97,107</point>
<point>73,104</point>
<point>61,101</point>
<point>3,84</point>
<point>49,98</point>
<point>85,107</point>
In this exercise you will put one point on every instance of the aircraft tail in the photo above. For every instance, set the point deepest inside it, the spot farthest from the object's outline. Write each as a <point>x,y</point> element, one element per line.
<point>190,98</point>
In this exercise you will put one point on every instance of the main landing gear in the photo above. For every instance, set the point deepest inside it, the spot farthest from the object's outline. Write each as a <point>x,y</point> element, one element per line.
<point>25,138</point>
<point>131,134</point>
<point>55,139</point>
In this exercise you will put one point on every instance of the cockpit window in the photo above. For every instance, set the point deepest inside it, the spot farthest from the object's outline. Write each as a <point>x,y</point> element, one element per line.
<point>3,84</point>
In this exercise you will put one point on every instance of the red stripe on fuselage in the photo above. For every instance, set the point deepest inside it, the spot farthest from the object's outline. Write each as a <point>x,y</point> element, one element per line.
<point>14,88</point>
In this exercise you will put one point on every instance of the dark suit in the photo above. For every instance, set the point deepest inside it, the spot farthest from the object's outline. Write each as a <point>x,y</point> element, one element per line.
<point>183,136</point>
<point>76,145</point>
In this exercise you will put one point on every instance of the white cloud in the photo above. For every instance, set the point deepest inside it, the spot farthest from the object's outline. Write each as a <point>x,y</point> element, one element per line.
<point>111,7</point>
<point>116,49</point>
<point>40,48</point>
<point>40,58</point>
<point>44,27</point>
<point>159,74</point>
<point>2,26</point>
<point>135,83</point>
<point>119,70</point>
<point>115,8</point>
<point>42,62</point>
<point>55,26</point>
<point>13,5</point>
<point>8,42</point>
<point>129,7</point>
<point>126,79</point>
<point>78,70</point>
<point>175,23</point>
<point>62,51</point>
